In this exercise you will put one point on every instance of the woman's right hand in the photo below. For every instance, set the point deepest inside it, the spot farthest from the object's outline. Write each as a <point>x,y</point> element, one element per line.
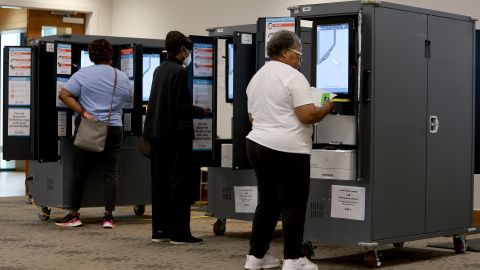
<point>329,106</point>
<point>88,116</point>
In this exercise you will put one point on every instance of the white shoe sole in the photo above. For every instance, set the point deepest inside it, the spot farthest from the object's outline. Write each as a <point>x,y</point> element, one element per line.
<point>108,226</point>
<point>69,224</point>
<point>272,266</point>
<point>160,240</point>
<point>184,243</point>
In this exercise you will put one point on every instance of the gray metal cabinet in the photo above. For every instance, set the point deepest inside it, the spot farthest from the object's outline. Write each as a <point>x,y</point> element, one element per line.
<point>426,184</point>
<point>414,100</point>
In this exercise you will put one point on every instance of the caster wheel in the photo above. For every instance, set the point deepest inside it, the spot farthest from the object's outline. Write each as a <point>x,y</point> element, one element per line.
<point>372,260</point>
<point>139,210</point>
<point>399,245</point>
<point>459,244</point>
<point>44,214</point>
<point>220,226</point>
<point>307,250</point>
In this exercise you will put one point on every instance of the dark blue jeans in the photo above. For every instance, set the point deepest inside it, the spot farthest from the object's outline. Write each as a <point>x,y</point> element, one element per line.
<point>283,186</point>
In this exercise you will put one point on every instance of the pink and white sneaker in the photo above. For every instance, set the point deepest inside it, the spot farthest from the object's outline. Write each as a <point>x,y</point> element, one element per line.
<point>108,221</point>
<point>70,221</point>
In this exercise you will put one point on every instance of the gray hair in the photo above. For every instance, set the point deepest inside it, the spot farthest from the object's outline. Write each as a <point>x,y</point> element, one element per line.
<point>282,40</point>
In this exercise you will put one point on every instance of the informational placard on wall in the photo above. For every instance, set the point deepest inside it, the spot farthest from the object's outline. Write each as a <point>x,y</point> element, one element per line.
<point>62,123</point>
<point>246,199</point>
<point>348,202</point>
<point>20,62</point>
<point>60,83</point>
<point>274,25</point>
<point>203,134</point>
<point>19,91</point>
<point>126,61</point>
<point>18,122</point>
<point>202,93</point>
<point>64,59</point>
<point>202,60</point>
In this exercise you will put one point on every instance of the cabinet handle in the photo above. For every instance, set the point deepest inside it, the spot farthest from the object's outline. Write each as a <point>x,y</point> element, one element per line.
<point>428,49</point>
<point>434,124</point>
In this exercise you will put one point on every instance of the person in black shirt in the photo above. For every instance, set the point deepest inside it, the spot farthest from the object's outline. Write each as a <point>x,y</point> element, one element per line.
<point>169,128</point>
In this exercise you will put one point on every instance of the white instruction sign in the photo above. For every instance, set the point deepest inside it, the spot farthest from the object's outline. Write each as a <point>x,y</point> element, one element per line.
<point>247,39</point>
<point>60,82</point>
<point>50,47</point>
<point>126,61</point>
<point>18,121</point>
<point>64,59</point>
<point>246,199</point>
<point>19,91</point>
<point>62,124</point>
<point>274,25</point>
<point>19,61</point>
<point>130,99</point>
<point>348,202</point>
<point>203,134</point>
<point>202,93</point>
<point>202,60</point>
<point>127,122</point>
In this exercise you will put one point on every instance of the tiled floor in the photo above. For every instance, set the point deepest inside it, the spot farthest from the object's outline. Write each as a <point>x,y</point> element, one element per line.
<point>12,184</point>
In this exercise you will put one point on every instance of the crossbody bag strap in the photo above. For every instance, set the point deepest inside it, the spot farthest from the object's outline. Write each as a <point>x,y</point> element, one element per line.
<point>111,103</point>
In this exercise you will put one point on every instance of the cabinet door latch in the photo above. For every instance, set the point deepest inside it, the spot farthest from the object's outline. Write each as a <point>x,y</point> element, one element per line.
<point>434,124</point>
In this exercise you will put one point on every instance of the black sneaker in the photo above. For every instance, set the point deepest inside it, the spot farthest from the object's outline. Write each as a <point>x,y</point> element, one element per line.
<point>160,237</point>
<point>189,240</point>
<point>70,221</point>
<point>108,221</point>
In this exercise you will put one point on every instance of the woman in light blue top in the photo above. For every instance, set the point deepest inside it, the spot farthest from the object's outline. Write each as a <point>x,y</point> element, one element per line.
<point>89,93</point>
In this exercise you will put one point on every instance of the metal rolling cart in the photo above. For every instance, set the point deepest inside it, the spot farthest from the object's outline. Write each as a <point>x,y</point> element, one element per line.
<point>39,129</point>
<point>408,172</point>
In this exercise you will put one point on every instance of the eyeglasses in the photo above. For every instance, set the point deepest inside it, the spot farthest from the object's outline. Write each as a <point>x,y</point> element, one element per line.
<point>299,53</point>
<point>189,52</point>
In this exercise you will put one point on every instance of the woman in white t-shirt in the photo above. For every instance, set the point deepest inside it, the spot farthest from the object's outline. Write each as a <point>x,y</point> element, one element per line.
<point>282,112</point>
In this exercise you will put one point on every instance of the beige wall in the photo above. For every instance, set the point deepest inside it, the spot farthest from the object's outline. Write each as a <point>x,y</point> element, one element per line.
<point>154,18</point>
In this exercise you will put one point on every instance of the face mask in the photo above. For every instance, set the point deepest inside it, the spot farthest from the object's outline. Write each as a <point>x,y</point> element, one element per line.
<point>187,60</point>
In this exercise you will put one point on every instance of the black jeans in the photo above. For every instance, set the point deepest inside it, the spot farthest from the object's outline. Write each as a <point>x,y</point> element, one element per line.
<point>83,161</point>
<point>283,187</point>
<point>172,185</point>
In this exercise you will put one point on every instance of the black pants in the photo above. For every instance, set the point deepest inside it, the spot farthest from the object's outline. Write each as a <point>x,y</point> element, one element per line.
<point>283,187</point>
<point>83,161</point>
<point>171,188</point>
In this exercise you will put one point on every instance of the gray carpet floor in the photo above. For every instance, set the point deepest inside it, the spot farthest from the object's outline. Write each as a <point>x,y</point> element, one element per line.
<point>28,243</point>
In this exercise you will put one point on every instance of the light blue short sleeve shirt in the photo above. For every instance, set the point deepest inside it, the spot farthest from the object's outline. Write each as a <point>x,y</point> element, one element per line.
<point>93,86</point>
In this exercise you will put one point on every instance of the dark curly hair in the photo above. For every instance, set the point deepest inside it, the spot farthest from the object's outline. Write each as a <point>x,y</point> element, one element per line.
<point>280,41</point>
<point>100,51</point>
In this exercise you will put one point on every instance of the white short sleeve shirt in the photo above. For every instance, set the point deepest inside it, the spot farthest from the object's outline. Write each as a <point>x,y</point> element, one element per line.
<point>273,94</point>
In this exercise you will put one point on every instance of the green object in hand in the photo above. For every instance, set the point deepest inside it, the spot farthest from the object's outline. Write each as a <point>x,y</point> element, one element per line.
<point>325,98</point>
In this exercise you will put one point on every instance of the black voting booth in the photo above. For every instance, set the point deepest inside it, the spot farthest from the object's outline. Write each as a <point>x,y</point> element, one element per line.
<point>38,127</point>
<point>232,170</point>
